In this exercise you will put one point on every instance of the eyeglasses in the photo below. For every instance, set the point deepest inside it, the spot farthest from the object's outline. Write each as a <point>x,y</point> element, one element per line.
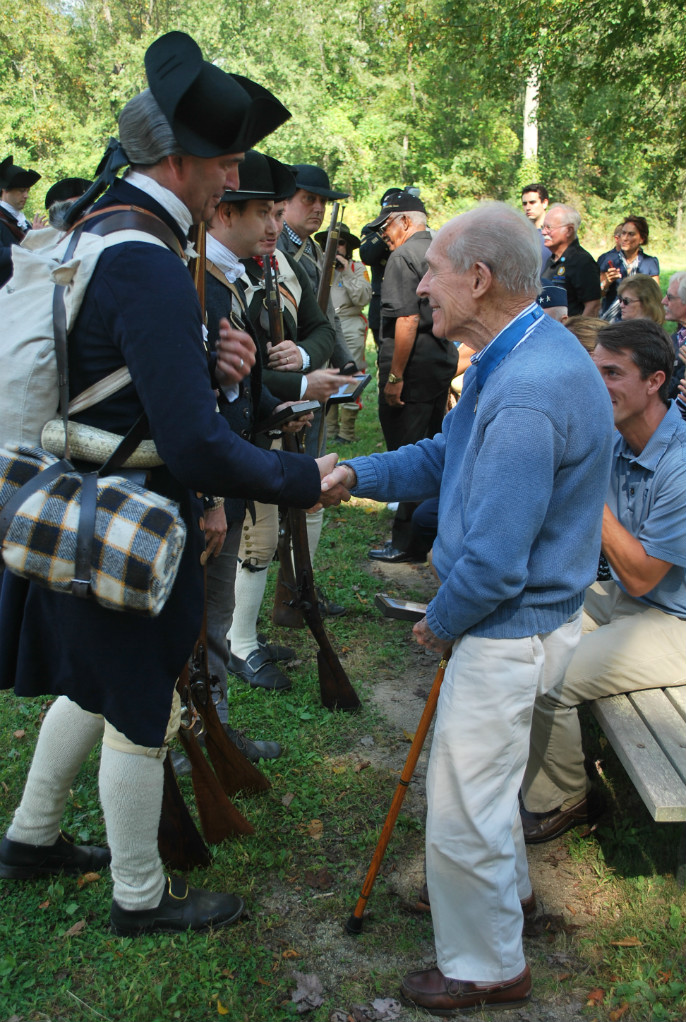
<point>670,298</point>
<point>628,301</point>
<point>549,230</point>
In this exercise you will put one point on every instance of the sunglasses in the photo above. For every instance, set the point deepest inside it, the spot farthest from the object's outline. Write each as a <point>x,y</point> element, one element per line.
<point>628,301</point>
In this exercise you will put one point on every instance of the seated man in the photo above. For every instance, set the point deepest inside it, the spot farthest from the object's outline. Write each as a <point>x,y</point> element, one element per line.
<point>635,624</point>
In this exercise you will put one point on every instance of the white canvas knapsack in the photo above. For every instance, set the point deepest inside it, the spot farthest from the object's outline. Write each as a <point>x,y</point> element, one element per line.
<point>28,366</point>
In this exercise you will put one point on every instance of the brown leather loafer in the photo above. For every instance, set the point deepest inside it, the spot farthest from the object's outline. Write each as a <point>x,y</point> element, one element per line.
<point>424,905</point>
<point>441,995</point>
<point>540,827</point>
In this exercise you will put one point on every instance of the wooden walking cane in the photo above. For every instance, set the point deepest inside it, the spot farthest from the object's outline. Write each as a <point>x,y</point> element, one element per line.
<point>354,923</point>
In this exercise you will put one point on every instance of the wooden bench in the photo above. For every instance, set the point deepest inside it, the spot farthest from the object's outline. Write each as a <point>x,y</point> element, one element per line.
<point>647,730</point>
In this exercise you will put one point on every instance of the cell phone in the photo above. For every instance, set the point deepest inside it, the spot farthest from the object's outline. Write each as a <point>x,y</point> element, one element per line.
<point>402,610</point>
<point>284,415</point>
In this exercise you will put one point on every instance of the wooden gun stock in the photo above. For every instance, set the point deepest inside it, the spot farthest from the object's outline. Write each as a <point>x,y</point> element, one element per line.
<point>219,817</point>
<point>285,611</point>
<point>178,839</point>
<point>337,693</point>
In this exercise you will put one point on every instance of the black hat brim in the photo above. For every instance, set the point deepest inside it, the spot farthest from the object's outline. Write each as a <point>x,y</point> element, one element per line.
<point>17,177</point>
<point>270,179</point>
<point>344,236</point>
<point>210,112</point>
<point>67,188</point>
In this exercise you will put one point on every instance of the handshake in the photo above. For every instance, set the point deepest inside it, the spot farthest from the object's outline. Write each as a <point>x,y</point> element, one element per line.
<point>337,482</point>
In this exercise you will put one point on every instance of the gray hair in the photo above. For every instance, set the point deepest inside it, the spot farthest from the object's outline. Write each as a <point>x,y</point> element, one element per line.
<point>416,217</point>
<point>571,216</point>
<point>145,132</point>
<point>680,280</point>
<point>502,238</point>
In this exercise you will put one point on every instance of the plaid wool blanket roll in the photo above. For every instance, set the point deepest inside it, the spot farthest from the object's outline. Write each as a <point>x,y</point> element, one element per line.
<point>138,542</point>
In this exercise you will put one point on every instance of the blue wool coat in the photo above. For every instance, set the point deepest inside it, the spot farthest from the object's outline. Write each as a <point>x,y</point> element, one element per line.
<point>141,310</point>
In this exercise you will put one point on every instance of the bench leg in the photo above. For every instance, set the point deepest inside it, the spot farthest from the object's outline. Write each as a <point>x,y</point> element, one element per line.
<point>681,863</point>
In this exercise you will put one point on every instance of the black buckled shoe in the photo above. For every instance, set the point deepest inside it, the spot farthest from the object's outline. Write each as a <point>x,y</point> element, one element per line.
<point>28,862</point>
<point>275,652</point>
<point>253,748</point>
<point>390,554</point>
<point>181,908</point>
<point>259,671</point>
<point>327,608</point>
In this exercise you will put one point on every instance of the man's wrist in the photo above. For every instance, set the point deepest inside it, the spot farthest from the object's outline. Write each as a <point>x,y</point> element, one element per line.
<point>393,379</point>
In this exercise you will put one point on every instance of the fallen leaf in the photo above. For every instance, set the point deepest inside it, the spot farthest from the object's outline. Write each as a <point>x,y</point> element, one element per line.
<point>626,942</point>
<point>315,829</point>
<point>76,928</point>
<point>44,904</point>
<point>563,976</point>
<point>615,1015</point>
<point>228,973</point>
<point>20,734</point>
<point>290,953</point>
<point>263,982</point>
<point>308,993</point>
<point>595,996</point>
<point>321,879</point>
<point>570,908</point>
<point>408,735</point>
<point>362,766</point>
<point>386,1008</point>
<point>287,799</point>
<point>87,878</point>
<point>339,769</point>
<point>221,1009</point>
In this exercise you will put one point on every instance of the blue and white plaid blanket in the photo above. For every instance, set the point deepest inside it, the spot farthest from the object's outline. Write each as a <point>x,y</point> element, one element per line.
<point>139,535</point>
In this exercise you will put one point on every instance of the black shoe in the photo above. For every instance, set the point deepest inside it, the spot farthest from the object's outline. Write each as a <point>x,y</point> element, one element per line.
<point>181,763</point>
<point>279,654</point>
<point>26,862</point>
<point>391,554</point>
<point>327,608</point>
<point>540,827</point>
<point>259,671</point>
<point>181,908</point>
<point>253,749</point>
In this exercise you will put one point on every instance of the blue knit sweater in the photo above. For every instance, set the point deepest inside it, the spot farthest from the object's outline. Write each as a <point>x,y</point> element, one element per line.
<point>522,476</point>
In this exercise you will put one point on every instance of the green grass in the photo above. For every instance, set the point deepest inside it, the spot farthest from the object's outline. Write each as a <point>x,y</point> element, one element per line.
<point>301,878</point>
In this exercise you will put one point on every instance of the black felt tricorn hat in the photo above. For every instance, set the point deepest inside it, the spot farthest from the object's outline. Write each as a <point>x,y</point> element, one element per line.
<point>12,176</point>
<point>262,177</point>
<point>211,113</point>
<point>67,188</point>
<point>345,235</point>
<point>314,179</point>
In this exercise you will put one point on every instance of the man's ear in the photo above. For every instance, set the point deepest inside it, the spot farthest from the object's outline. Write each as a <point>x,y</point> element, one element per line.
<point>655,381</point>
<point>482,279</point>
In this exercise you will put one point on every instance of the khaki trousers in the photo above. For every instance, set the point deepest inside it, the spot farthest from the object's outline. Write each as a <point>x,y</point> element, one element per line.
<point>625,646</point>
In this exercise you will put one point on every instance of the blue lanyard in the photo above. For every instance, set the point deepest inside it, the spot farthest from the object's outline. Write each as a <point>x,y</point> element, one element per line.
<point>506,340</point>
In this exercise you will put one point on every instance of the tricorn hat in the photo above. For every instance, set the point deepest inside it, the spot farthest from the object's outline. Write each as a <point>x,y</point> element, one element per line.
<point>67,188</point>
<point>262,177</point>
<point>12,176</point>
<point>211,113</point>
<point>314,179</point>
<point>345,235</point>
<point>403,202</point>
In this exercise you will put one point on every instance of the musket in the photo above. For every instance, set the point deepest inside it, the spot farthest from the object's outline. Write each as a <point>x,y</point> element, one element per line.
<point>179,842</point>
<point>283,613</point>
<point>336,690</point>
<point>330,252</point>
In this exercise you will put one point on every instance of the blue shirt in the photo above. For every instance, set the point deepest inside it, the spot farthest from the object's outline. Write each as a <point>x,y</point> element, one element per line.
<point>647,494</point>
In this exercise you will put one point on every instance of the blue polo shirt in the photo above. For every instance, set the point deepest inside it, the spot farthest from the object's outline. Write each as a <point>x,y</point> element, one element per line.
<point>647,493</point>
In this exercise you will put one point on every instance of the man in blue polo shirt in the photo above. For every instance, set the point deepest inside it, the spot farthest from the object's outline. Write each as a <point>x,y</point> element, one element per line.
<point>634,627</point>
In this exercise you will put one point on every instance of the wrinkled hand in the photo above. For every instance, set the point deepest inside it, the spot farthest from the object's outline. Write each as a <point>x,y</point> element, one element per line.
<point>321,384</point>
<point>425,637</point>
<point>391,393</point>
<point>682,390</point>
<point>337,481</point>
<point>285,356</point>
<point>39,220</point>
<point>215,530</point>
<point>235,353</point>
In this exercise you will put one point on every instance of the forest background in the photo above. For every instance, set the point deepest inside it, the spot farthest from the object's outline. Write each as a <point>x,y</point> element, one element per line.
<point>427,93</point>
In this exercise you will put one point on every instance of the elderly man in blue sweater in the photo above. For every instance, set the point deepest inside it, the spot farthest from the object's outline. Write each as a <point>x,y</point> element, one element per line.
<point>521,469</point>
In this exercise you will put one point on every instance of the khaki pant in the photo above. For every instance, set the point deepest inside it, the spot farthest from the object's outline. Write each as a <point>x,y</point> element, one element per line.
<point>625,646</point>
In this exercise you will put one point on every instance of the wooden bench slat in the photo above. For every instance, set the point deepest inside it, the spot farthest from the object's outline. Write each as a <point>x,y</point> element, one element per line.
<point>665,723</point>
<point>677,697</point>
<point>653,776</point>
